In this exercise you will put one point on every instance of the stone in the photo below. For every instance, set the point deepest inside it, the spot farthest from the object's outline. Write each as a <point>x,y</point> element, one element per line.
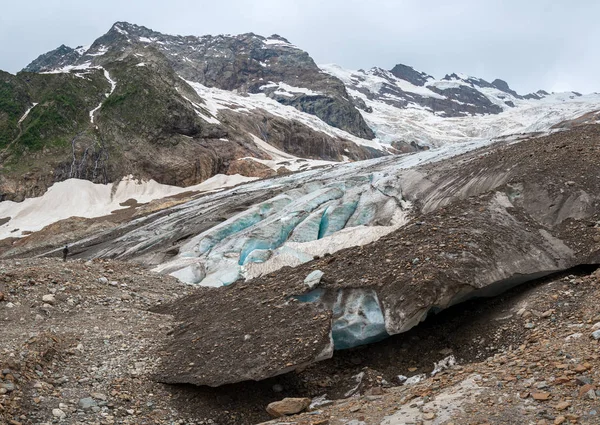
<point>313,279</point>
<point>429,416</point>
<point>541,396</point>
<point>49,299</point>
<point>57,413</point>
<point>1,296</point>
<point>559,420</point>
<point>99,396</point>
<point>103,280</point>
<point>585,389</point>
<point>8,386</point>
<point>563,405</point>
<point>87,403</point>
<point>548,313</point>
<point>596,334</point>
<point>583,380</point>
<point>288,406</point>
<point>415,379</point>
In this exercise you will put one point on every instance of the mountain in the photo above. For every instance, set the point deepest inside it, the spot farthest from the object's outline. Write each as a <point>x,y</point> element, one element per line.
<point>129,110</point>
<point>236,213</point>
<point>181,109</point>
<point>406,107</point>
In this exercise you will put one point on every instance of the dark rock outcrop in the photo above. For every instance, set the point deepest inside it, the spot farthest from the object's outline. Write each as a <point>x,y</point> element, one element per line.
<point>408,73</point>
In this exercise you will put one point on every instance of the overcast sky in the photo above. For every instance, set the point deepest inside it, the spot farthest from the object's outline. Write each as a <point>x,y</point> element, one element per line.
<point>532,44</point>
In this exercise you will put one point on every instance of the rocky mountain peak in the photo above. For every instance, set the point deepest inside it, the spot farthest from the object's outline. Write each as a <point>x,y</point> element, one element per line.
<point>503,86</point>
<point>411,75</point>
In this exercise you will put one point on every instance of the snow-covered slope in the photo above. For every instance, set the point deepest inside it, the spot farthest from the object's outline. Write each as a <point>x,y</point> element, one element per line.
<point>82,198</point>
<point>432,114</point>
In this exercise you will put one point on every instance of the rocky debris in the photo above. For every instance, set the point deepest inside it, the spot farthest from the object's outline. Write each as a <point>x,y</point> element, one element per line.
<point>288,406</point>
<point>500,364</point>
<point>75,350</point>
<point>531,376</point>
<point>445,255</point>
<point>304,338</point>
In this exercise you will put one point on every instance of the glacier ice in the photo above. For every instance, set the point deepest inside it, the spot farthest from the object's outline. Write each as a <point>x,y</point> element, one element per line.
<point>357,315</point>
<point>357,319</point>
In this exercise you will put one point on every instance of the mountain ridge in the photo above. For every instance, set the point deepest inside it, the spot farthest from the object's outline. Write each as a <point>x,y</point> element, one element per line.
<point>181,109</point>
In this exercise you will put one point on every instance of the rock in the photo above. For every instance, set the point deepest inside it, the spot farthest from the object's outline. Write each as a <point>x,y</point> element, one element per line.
<point>8,386</point>
<point>288,406</point>
<point>313,279</point>
<point>319,402</point>
<point>563,405</point>
<point>103,280</point>
<point>583,380</point>
<point>548,313</point>
<point>49,299</point>
<point>429,416</point>
<point>277,388</point>
<point>87,403</point>
<point>415,379</point>
<point>596,326</point>
<point>541,396</point>
<point>1,296</point>
<point>57,413</point>
<point>99,396</point>
<point>574,336</point>
<point>559,420</point>
<point>584,389</point>
<point>596,334</point>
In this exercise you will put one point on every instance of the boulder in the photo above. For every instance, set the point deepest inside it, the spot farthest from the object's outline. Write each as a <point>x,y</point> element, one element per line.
<point>288,406</point>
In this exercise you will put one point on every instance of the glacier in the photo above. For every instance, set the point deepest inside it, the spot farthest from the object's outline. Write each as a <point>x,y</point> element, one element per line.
<point>357,315</point>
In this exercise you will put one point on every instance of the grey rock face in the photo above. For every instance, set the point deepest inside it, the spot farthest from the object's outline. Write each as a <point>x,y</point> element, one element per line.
<point>57,58</point>
<point>409,74</point>
<point>503,85</point>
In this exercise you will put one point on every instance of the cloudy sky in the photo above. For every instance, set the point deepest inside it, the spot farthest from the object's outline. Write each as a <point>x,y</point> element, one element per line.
<point>531,44</point>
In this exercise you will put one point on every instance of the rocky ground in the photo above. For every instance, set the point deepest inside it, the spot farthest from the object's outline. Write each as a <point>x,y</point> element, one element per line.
<point>75,340</point>
<point>77,346</point>
<point>527,357</point>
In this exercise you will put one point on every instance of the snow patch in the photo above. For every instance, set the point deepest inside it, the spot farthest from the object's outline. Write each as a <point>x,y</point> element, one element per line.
<point>82,198</point>
<point>27,113</point>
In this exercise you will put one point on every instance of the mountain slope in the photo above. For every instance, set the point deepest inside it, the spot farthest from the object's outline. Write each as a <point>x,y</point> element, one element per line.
<point>405,106</point>
<point>153,119</point>
<point>181,109</point>
<point>247,63</point>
